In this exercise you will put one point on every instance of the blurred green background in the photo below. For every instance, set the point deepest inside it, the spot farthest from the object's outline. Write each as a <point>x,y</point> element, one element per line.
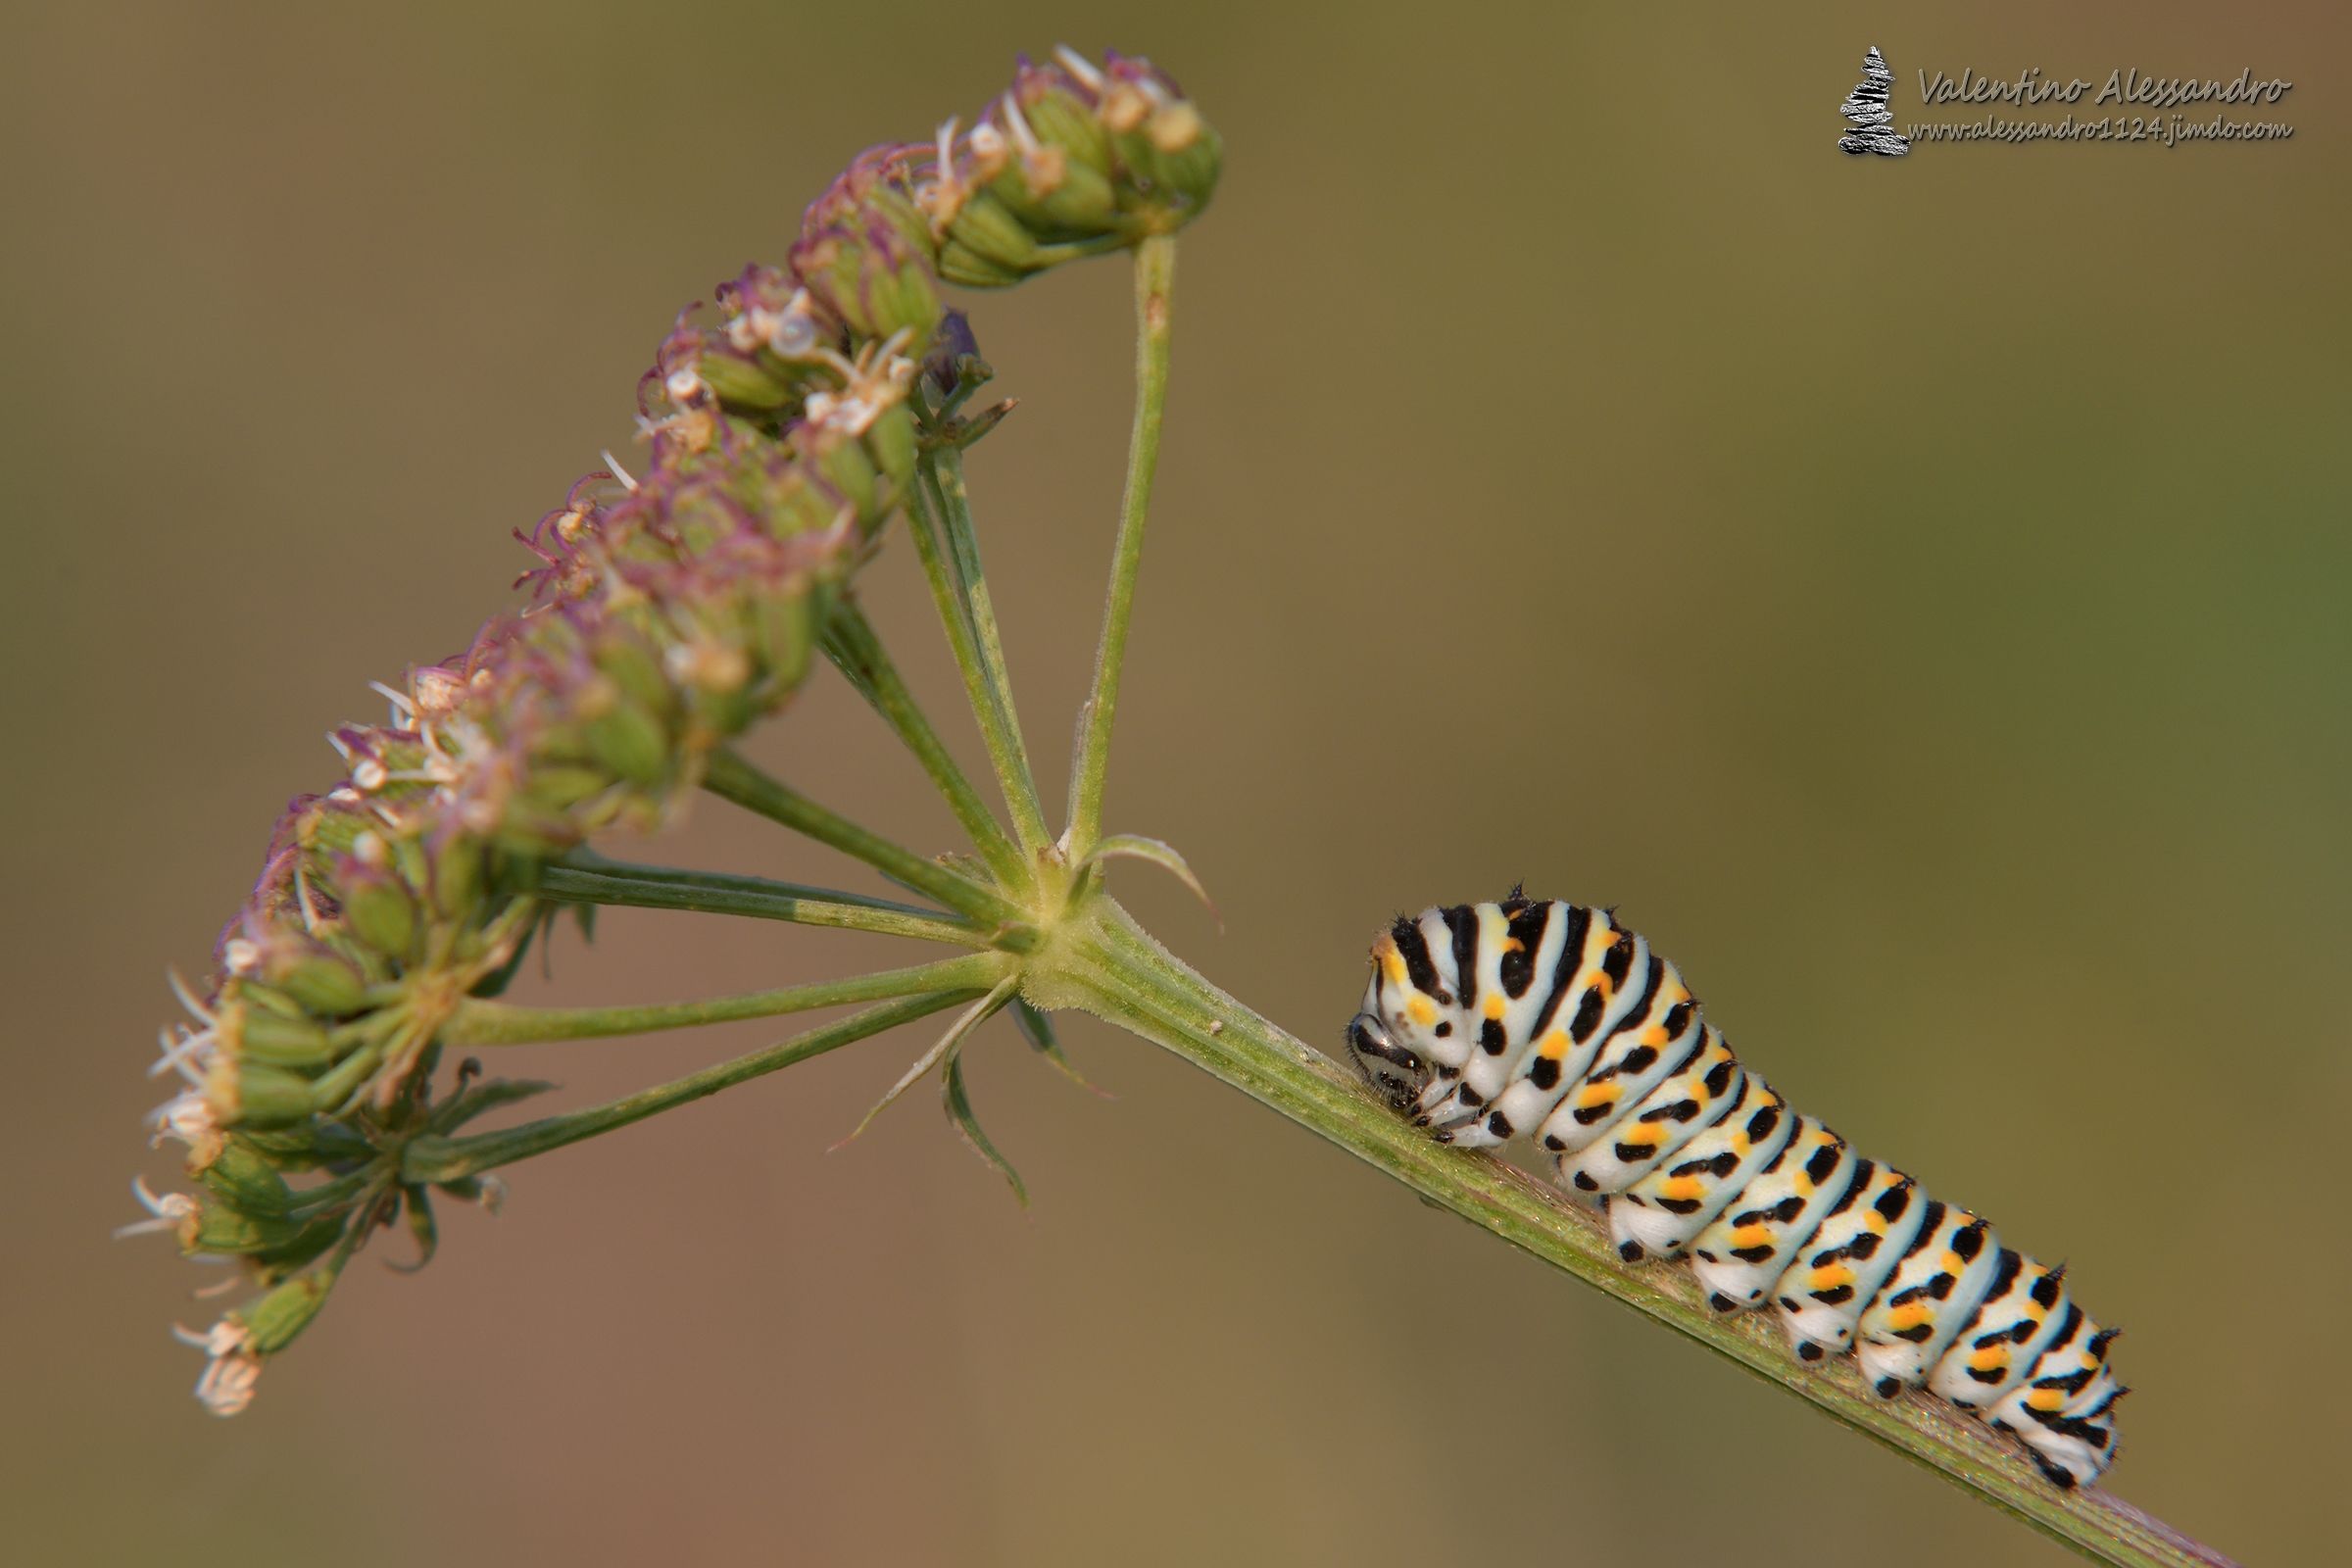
<point>1913,592</point>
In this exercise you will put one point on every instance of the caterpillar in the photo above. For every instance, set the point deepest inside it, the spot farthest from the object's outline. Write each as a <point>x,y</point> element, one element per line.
<point>1486,1022</point>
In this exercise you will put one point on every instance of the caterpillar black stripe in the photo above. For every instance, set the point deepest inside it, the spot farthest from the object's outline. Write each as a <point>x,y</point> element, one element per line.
<point>1550,1021</point>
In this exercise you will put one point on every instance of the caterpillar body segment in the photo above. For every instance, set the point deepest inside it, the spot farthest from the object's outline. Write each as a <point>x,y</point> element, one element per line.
<point>1549,1021</point>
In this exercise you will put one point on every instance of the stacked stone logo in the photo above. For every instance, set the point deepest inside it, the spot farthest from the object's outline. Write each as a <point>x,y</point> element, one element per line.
<point>1870,122</point>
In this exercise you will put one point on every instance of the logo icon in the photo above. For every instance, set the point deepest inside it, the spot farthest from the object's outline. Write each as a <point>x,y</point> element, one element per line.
<point>1870,122</point>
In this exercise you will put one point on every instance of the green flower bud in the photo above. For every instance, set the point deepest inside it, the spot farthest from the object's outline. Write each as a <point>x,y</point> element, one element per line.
<point>846,468</point>
<point>243,1178</point>
<point>271,1321</point>
<point>788,500</point>
<point>252,1094</point>
<point>456,874</point>
<point>784,628</point>
<point>877,187</point>
<point>1075,204</point>
<point>1185,154</point>
<point>876,282</point>
<point>304,1248</point>
<point>226,1231</point>
<point>1176,160</point>
<point>303,1145</point>
<point>891,441</point>
<point>264,1035</point>
<point>630,741</point>
<point>1061,115</point>
<point>556,788</point>
<point>377,906</point>
<point>325,829</point>
<point>959,265</point>
<point>986,245</point>
<point>1051,162</point>
<point>264,998</point>
<point>632,665</point>
<point>743,382</point>
<point>1169,157</point>
<point>321,984</point>
<point>292,968</point>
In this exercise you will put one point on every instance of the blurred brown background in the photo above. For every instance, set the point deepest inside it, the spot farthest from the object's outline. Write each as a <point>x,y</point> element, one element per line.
<point>1915,592</point>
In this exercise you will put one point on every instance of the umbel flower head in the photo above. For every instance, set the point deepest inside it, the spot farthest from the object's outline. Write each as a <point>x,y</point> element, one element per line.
<point>664,615</point>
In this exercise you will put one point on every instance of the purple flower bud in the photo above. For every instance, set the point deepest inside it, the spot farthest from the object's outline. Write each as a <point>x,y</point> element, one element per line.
<point>951,346</point>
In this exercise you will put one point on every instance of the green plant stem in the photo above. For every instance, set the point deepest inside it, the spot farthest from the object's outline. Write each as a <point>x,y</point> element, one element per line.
<point>481,1022</point>
<point>596,880</point>
<point>1108,966</point>
<point>850,643</point>
<point>1155,285</point>
<point>446,1159</point>
<point>944,468</point>
<point>929,526</point>
<point>731,779</point>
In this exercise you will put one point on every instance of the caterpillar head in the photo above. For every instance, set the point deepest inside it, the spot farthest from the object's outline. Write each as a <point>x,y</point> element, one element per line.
<point>1395,1073</point>
<point>1403,1036</point>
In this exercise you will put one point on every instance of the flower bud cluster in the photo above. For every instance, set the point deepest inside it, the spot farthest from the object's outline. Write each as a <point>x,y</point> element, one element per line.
<point>1071,159</point>
<point>665,617</point>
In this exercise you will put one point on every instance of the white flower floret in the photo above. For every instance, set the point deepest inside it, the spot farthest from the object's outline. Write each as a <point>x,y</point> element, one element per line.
<point>943,198</point>
<point>226,1386</point>
<point>872,383</point>
<point>1077,65</point>
<point>707,663</point>
<point>183,1053</point>
<point>165,1210</point>
<point>189,1119</point>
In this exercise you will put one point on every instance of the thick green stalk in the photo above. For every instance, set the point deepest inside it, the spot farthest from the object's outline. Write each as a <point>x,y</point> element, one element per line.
<point>447,1159</point>
<point>480,1021</point>
<point>596,880</point>
<point>992,703</point>
<point>1155,284</point>
<point>731,779</point>
<point>1108,966</point>
<point>850,643</point>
